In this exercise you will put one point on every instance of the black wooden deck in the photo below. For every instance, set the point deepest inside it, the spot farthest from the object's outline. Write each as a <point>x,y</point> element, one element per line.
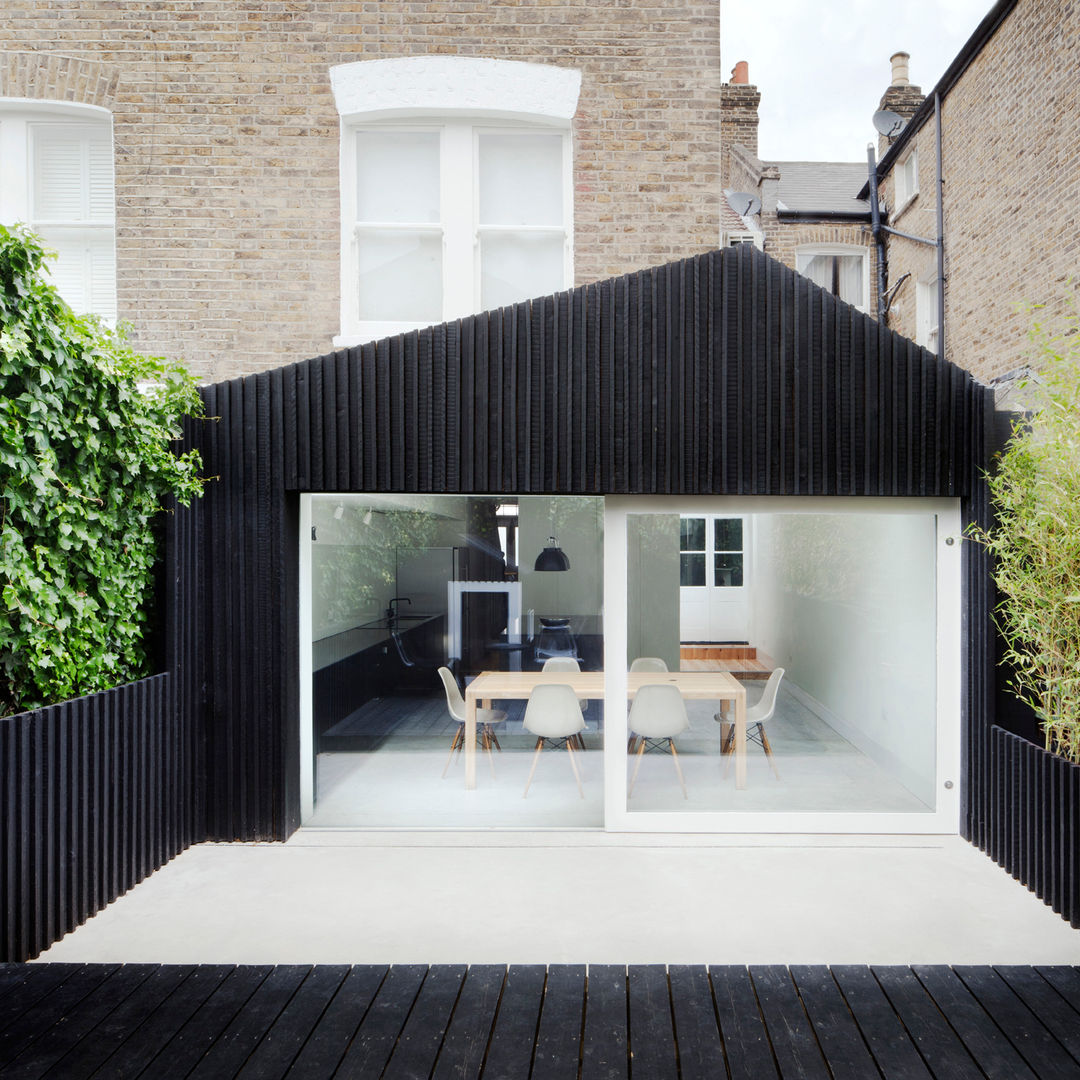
<point>554,1023</point>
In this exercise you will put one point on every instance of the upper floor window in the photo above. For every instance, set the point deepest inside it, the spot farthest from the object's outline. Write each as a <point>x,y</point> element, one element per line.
<point>456,188</point>
<point>927,319</point>
<point>842,271</point>
<point>907,179</point>
<point>56,176</point>
<point>453,218</point>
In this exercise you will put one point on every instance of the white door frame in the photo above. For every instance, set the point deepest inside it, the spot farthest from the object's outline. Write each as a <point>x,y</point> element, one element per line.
<point>944,818</point>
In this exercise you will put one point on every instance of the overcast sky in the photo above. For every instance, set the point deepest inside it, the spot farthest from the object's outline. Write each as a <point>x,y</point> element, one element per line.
<point>822,65</point>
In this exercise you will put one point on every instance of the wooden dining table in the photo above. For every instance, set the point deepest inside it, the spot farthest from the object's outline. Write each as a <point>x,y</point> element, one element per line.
<point>490,686</point>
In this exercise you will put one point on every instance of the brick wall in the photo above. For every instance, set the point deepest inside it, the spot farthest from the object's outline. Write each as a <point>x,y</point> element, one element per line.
<point>227,143</point>
<point>1012,191</point>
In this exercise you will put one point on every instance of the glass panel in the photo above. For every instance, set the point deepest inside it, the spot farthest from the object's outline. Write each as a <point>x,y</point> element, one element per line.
<point>519,266</point>
<point>841,275</point>
<point>397,176</point>
<point>844,605</point>
<point>521,180</point>
<point>404,585</point>
<point>400,275</point>
<point>727,534</point>
<point>691,570</point>
<point>692,534</point>
<point>728,570</point>
<point>84,270</point>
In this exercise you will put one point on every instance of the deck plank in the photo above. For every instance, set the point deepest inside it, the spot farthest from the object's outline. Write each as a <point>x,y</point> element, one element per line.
<point>652,1035</point>
<point>250,1025</point>
<point>195,1038</point>
<point>697,1032</point>
<point>890,1045</point>
<point>605,1049</point>
<point>374,1041</point>
<point>746,1043</point>
<point>466,1043</point>
<point>790,1031</point>
<point>50,1008</point>
<point>30,985</point>
<point>837,1033</point>
<point>116,1028</point>
<point>993,1053</point>
<point>138,1051</point>
<point>1029,1036</point>
<point>938,1045</point>
<point>514,1035</point>
<point>276,1052</point>
<point>420,1039</point>
<point>558,1039</point>
<point>322,1053</point>
<point>1065,980</point>
<point>1047,1004</point>
<point>42,1054</point>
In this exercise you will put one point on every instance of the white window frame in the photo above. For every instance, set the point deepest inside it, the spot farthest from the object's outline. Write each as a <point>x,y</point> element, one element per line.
<point>906,180</point>
<point>437,91</point>
<point>19,117</point>
<point>459,225</point>
<point>809,251</point>
<point>927,316</point>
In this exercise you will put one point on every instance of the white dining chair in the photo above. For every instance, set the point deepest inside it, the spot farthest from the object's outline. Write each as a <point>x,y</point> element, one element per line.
<point>757,715</point>
<point>554,712</point>
<point>649,663</point>
<point>657,715</point>
<point>486,719</point>
<point>568,663</point>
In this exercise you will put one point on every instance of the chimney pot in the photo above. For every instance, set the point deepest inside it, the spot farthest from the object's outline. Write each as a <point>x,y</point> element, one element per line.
<point>899,61</point>
<point>740,73</point>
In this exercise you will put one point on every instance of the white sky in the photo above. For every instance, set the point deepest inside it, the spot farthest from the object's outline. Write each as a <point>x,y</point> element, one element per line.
<point>822,65</point>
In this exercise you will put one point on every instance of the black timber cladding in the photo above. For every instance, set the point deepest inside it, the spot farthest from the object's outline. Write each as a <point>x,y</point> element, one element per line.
<point>726,373</point>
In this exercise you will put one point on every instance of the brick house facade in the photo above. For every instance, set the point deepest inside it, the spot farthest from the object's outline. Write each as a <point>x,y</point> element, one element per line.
<point>226,144</point>
<point>1009,133</point>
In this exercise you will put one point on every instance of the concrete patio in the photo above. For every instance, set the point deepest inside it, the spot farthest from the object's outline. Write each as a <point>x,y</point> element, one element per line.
<point>347,897</point>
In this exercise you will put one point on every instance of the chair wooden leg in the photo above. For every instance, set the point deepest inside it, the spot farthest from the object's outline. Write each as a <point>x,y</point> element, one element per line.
<point>727,735</point>
<point>494,738</point>
<point>768,750</point>
<point>631,745</point>
<point>678,767</point>
<point>637,766</point>
<point>458,736</point>
<point>487,746</point>
<point>536,758</point>
<point>573,765</point>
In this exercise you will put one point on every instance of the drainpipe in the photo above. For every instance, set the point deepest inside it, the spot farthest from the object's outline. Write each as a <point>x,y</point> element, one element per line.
<point>875,228</point>
<point>940,231</point>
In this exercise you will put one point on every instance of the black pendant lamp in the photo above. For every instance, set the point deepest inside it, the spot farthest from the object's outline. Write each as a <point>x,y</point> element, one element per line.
<point>552,557</point>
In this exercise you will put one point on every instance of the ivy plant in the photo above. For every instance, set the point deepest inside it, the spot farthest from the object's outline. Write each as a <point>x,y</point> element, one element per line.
<point>1035,542</point>
<point>87,460</point>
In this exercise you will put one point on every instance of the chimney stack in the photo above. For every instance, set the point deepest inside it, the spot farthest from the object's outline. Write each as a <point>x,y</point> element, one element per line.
<point>899,61</point>
<point>740,74</point>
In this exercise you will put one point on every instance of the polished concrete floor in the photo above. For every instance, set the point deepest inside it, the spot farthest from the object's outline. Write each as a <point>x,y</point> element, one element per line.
<point>342,896</point>
<point>393,776</point>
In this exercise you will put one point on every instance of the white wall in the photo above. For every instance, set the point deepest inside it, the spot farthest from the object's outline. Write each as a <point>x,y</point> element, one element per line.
<point>846,604</point>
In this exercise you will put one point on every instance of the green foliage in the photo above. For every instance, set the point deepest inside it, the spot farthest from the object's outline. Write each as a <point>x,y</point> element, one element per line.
<point>85,463</point>
<point>1036,544</point>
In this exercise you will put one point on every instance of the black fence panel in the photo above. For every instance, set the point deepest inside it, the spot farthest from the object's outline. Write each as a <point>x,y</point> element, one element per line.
<point>1033,830</point>
<point>726,373</point>
<point>96,794</point>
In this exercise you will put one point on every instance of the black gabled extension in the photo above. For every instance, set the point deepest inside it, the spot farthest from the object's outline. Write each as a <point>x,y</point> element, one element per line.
<point>726,373</point>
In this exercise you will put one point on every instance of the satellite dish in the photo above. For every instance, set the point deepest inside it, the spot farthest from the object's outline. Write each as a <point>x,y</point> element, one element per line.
<point>743,203</point>
<point>888,123</point>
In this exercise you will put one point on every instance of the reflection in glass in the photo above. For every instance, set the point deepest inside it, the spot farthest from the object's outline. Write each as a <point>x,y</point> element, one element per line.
<point>692,534</point>
<point>727,534</point>
<point>405,585</point>
<point>692,569</point>
<point>728,570</point>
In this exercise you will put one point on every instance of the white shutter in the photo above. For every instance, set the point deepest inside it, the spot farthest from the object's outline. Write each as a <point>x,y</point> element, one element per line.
<point>59,175</point>
<point>100,195</point>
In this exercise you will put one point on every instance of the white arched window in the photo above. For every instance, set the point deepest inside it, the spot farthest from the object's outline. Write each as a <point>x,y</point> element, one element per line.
<point>456,188</point>
<point>56,177</point>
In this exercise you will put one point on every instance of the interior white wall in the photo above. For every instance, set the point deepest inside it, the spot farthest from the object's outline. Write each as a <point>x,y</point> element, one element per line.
<point>846,604</point>
<point>578,525</point>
